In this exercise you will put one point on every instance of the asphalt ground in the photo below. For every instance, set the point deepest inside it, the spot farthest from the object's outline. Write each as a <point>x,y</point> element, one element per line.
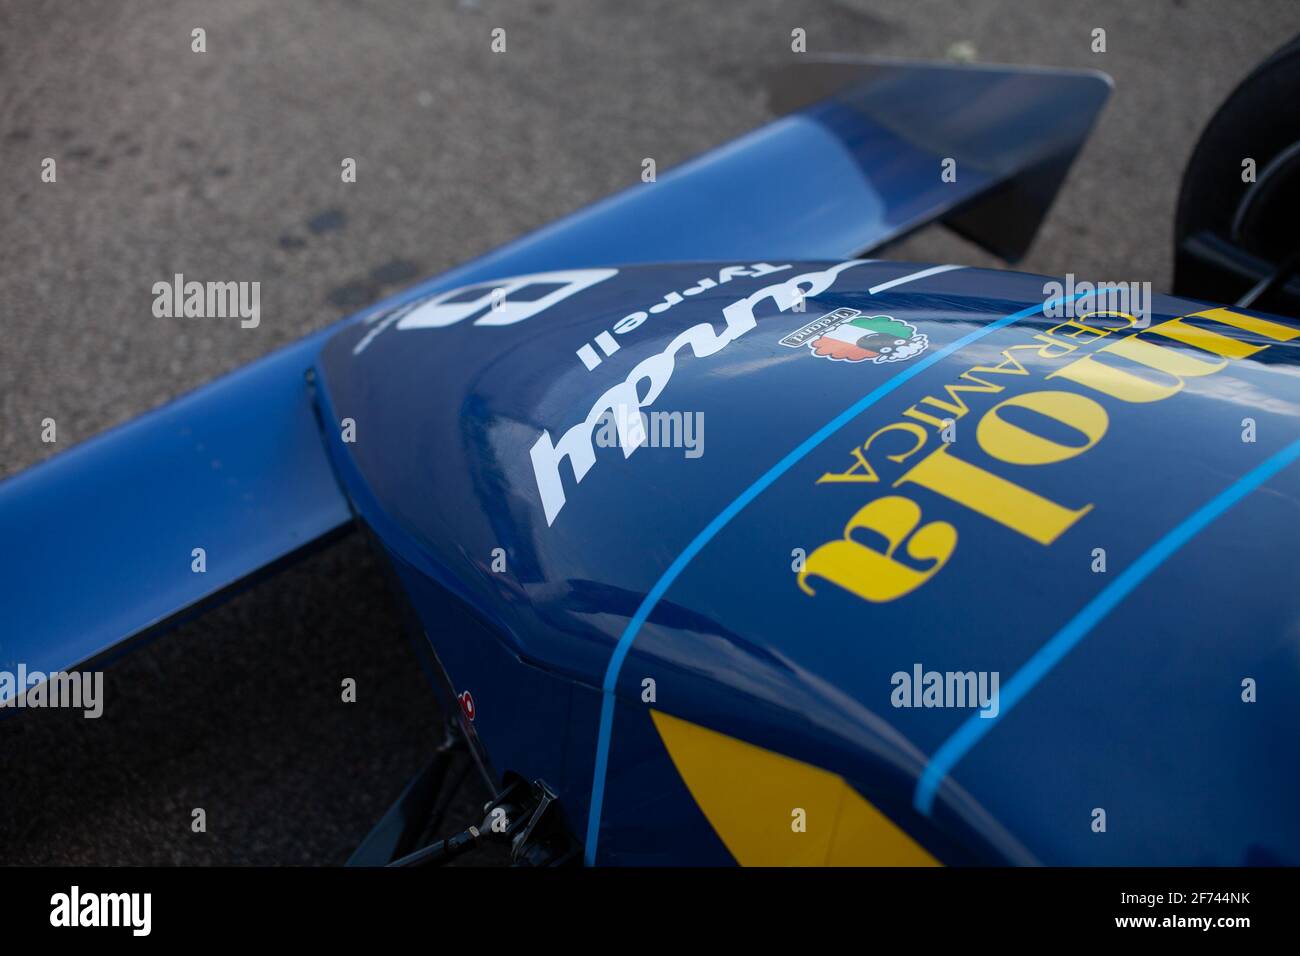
<point>226,164</point>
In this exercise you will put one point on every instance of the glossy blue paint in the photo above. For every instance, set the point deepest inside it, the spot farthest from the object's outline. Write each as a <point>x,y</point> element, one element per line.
<point>1136,718</point>
<point>1093,613</point>
<point>711,530</point>
<point>97,540</point>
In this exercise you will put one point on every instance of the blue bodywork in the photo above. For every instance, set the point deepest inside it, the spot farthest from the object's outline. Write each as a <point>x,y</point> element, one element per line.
<point>1121,689</point>
<point>1114,544</point>
<point>99,539</point>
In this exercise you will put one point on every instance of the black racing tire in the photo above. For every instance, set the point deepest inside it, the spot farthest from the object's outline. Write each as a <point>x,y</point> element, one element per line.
<point>1260,120</point>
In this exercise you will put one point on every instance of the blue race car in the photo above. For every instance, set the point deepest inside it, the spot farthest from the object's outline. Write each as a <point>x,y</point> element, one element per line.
<point>733,543</point>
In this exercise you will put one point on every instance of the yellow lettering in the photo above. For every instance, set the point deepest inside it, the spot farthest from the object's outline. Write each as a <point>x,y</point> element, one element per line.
<point>1080,328</point>
<point>1174,364</point>
<point>1049,344</point>
<point>1180,330</point>
<point>1111,313</point>
<point>958,407</point>
<point>1000,500</point>
<point>1013,444</point>
<point>869,473</point>
<point>919,415</point>
<point>1000,368</point>
<point>874,575</point>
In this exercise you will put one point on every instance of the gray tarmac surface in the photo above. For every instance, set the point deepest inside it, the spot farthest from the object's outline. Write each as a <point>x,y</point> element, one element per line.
<point>226,165</point>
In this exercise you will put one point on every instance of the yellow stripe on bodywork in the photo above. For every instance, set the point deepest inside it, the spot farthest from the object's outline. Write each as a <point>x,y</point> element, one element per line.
<point>749,796</point>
